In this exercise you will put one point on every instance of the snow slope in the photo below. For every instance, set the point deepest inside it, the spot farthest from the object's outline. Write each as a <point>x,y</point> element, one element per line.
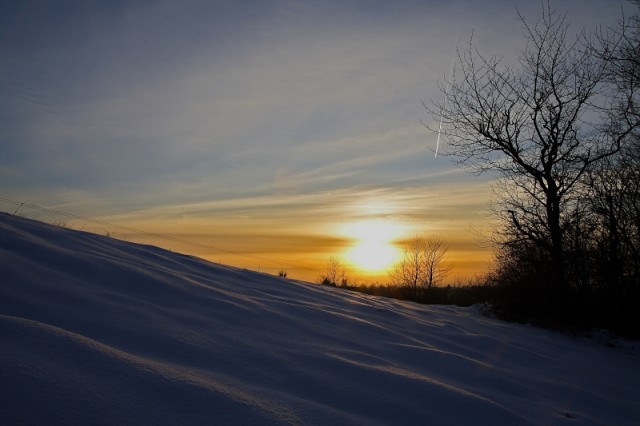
<point>99,331</point>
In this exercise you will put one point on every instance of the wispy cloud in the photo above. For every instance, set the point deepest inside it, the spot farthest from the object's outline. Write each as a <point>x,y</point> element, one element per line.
<point>278,118</point>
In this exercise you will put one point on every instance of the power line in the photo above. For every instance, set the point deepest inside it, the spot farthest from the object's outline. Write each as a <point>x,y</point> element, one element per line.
<point>21,204</point>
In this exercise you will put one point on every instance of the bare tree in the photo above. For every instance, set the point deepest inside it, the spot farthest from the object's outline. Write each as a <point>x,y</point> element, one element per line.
<point>526,124</point>
<point>614,185</point>
<point>620,49</point>
<point>422,266</point>
<point>614,196</point>
<point>335,273</point>
<point>408,271</point>
<point>436,269</point>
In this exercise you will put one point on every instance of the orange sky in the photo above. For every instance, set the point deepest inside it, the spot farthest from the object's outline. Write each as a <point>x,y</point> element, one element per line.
<point>299,233</point>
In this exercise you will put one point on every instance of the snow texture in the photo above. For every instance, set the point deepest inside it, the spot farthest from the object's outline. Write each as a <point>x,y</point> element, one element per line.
<point>99,331</point>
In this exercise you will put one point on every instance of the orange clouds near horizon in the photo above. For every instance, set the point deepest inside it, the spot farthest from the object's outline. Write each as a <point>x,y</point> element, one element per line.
<point>365,229</point>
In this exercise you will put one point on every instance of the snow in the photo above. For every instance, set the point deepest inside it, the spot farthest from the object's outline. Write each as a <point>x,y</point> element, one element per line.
<point>95,330</point>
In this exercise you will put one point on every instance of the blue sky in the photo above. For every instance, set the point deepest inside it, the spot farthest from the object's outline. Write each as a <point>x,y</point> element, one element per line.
<point>245,121</point>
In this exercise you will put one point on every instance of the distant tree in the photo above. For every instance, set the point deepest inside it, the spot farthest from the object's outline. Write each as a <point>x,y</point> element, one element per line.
<point>436,269</point>
<point>335,273</point>
<point>408,271</point>
<point>422,265</point>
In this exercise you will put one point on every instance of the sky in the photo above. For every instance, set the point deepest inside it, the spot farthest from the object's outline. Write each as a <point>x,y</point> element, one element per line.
<point>269,135</point>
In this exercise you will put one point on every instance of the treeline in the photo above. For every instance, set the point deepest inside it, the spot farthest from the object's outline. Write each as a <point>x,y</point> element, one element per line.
<point>601,257</point>
<point>561,131</point>
<point>463,295</point>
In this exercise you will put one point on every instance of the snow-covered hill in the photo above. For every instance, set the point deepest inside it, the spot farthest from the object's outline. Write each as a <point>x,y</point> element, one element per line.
<point>99,331</point>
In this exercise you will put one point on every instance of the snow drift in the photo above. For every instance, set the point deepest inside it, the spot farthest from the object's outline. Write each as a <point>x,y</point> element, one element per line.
<point>99,331</point>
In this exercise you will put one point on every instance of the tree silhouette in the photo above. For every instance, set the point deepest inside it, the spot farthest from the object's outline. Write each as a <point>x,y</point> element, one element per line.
<point>335,273</point>
<point>526,123</point>
<point>422,265</point>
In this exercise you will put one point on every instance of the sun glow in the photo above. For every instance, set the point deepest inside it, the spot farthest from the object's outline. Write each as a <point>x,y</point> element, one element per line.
<point>373,250</point>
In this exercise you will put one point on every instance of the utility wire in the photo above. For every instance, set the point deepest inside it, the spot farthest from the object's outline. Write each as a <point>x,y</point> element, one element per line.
<point>153,234</point>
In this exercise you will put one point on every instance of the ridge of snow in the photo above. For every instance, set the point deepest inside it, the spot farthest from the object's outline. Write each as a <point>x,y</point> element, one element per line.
<point>95,330</point>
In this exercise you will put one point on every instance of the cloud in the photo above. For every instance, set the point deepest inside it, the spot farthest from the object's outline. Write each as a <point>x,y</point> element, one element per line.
<point>285,116</point>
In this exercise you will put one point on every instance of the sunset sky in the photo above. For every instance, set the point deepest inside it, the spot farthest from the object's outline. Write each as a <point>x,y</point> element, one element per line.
<point>268,134</point>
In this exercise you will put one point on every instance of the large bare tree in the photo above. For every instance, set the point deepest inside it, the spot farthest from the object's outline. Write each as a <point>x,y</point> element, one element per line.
<point>529,124</point>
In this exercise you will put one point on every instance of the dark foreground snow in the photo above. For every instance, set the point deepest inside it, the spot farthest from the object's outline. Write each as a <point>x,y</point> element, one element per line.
<point>99,331</point>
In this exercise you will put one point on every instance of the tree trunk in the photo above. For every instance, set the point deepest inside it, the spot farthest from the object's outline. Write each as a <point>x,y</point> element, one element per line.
<point>559,290</point>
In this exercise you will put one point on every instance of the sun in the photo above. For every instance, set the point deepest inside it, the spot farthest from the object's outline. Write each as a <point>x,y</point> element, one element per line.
<point>373,256</point>
<point>373,250</point>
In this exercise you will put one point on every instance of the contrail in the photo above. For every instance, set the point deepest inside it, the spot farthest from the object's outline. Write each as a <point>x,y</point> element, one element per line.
<point>446,92</point>
<point>440,126</point>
